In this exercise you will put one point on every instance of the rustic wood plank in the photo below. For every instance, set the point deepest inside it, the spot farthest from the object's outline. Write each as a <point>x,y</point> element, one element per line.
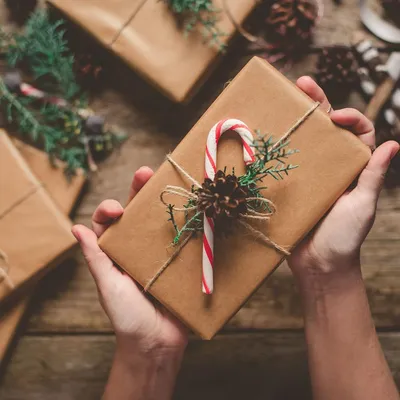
<point>269,365</point>
<point>67,298</point>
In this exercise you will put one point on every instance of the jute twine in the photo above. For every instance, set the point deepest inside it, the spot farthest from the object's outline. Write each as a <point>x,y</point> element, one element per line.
<point>251,214</point>
<point>4,269</point>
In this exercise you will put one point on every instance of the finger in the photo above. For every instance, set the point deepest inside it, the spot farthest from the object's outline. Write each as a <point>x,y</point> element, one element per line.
<point>105,214</point>
<point>99,264</point>
<point>141,177</point>
<point>310,87</point>
<point>357,122</point>
<point>371,179</point>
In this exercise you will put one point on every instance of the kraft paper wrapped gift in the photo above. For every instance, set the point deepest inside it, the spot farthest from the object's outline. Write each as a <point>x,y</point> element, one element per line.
<point>146,35</point>
<point>329,159</point>
<point>34,233</point>
<point>65,193</point>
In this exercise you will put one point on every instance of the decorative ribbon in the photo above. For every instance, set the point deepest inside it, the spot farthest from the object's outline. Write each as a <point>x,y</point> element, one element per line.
<point>4,269</point>
<point>252,214</point>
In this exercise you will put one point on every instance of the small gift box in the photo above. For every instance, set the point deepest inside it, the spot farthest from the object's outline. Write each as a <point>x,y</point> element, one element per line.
<point>165,239</point>
<point>147,35</point>
<point>65,193</point>
<point>34,233</point>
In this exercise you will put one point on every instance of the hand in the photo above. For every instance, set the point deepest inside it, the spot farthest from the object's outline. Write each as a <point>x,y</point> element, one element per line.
<point>335,244</point>
<point>136,321</point>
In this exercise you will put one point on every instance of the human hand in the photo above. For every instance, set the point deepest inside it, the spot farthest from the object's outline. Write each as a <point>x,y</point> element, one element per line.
<point>334,246</point>
<point>138,324</point>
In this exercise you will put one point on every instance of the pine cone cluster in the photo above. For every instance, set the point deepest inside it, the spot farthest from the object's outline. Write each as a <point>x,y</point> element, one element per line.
<point>292,20</point>
<point>337,70</point>
<point>223,198</point>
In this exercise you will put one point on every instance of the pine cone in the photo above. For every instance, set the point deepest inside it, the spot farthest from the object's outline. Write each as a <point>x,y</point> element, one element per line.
<point>222,198</point>
<point>337,71</point>
<point>292,20</point>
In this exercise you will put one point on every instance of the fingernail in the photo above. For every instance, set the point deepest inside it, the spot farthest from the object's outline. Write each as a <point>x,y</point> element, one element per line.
<point>394,152</point>
<point>75,232</point>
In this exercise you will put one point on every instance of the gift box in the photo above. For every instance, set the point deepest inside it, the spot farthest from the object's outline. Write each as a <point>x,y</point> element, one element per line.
<point>147,36</point>
<point>65,193</point>
<point>328,159</point>
<point>34,233</point>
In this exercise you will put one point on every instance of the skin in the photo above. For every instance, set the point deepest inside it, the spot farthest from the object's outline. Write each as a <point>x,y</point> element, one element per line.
<point>345,357</point>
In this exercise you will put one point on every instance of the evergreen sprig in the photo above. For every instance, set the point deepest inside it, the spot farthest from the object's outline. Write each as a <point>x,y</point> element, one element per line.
<point>203,13</point>
<point>43,48</point>
<point>62,131</point>
<point>59,131</point>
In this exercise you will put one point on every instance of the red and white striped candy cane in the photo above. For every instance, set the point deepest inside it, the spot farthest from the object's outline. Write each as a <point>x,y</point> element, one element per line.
<point>210,169</point>
<point>31,91</point>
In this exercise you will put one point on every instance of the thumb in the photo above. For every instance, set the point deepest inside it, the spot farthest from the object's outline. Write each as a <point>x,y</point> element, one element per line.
<point>371,179</point>
<point>99,264</point>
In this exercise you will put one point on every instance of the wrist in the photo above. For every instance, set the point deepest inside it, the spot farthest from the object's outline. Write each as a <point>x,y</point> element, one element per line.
<point>143,373</point>
<point>318,281</point>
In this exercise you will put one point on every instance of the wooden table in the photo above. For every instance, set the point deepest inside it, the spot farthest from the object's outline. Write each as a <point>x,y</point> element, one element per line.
<point>66,345</point>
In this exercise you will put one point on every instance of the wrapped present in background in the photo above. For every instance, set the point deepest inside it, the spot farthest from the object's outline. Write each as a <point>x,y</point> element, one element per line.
<point>151,38</point>
<point>329,158</point>
<point>34,233</point>
<point>65,193</point>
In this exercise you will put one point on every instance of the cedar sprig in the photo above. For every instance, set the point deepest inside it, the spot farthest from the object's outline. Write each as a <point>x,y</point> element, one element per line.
<point>42,48</point>
<point>270,161</point>
<point>203,13</point>
<point>193,223</point>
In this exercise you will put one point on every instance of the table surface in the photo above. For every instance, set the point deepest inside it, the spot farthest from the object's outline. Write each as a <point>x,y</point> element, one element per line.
<point>65,347</point>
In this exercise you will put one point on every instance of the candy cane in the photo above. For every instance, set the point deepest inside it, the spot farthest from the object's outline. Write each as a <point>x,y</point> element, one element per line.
<point>210,170</point>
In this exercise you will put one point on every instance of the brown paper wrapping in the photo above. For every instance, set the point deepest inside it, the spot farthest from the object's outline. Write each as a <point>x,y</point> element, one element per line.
<point>329,159</point>
<point>33,231</point>
<point>64,193</point>
<point>145,34</point>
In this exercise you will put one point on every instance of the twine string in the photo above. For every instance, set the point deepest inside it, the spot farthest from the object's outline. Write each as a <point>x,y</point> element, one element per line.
<point>252,214</point>
<point>4,270</point>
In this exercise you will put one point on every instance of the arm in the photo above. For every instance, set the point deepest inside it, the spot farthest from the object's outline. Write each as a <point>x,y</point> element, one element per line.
<point>345,357</point>
<point>150,341</point>
<point>135,375</point>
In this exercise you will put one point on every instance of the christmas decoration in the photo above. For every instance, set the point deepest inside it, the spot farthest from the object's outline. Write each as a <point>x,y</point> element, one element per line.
<point>43,52</point>
<point>292,21</point>
<point>56,117</point>
<point>193,13</point>
<point>223,198</point>
<point>337,71</point>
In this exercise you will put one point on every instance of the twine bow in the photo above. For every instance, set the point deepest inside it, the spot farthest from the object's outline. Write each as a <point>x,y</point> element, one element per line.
<point>251,214</point>
<point>4,269</point>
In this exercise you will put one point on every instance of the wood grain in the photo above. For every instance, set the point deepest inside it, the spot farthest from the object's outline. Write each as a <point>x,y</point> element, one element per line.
<point>268,365</point>
<point>67,299</point>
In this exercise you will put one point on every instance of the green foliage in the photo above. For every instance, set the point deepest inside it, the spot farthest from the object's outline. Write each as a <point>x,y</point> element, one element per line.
<point>43,48</point>
<point>203,13</point>
<point>193,223</point>
<point>59,131</point>
<point>270,161</point>
<point>42,51</point>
